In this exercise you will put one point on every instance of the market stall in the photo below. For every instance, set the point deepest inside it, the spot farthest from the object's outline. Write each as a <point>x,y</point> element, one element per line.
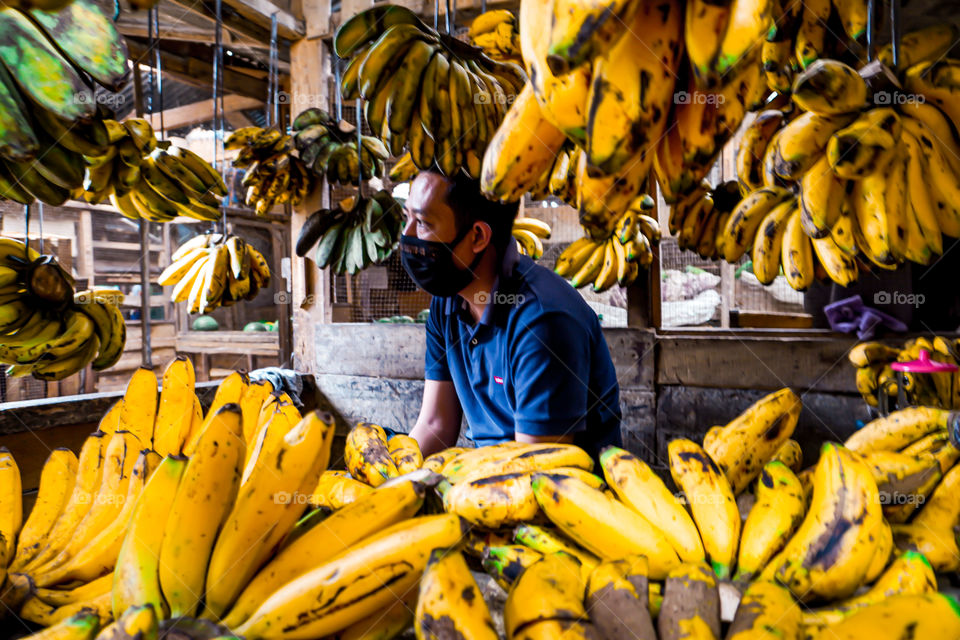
<point>270,370</point>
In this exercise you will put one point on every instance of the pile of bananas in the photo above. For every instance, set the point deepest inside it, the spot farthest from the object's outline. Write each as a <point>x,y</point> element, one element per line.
<point>497,34</point>
<point>359,232</point>
<point>330,148</point>
<point>617,259</point>
<point>47,330</point>
<point>529,234</point>
<point>107,540</point>
<point>699,218</point>
<point>441,97</point>
<point>144,177</point>
<point>841,178</point>
<point>273,174</point>
<point>49,118</point>
<point>210,271</point>
<point>873,360</point>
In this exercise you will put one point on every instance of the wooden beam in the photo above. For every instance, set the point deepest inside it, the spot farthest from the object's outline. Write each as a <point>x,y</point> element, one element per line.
<point>245,25</point>
<point>197,72</point>
<point>262,11</point>
<point>202,111</point>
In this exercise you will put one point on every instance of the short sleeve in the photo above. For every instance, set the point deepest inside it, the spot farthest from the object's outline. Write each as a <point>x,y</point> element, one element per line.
<point>550,368</point>
<point>436,357</point>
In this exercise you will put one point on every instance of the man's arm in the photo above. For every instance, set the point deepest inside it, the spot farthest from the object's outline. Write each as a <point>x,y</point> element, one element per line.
<point>438,424</point>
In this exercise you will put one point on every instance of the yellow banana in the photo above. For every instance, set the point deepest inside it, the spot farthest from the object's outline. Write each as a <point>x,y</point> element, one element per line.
<point>774,517</point>
<point>617,599</point>
<point>439,614</point>
<point>57,480</point>
<point>691,603</point>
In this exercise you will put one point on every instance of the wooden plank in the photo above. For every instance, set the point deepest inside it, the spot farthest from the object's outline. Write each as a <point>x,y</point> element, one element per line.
<point>202,111</point>
<point>687,412</point>
<point>632,351</point>
<point>123,246</point>
<point>753,362</point>
<point>85,246</point>
<point>770,319</point>
<point>260,12</point>
<point>232,342</point>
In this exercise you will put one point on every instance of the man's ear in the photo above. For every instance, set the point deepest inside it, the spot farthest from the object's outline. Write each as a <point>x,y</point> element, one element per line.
<point>482,236</point>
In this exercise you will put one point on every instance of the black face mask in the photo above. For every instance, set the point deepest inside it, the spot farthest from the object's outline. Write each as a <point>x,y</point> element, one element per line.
<point>431,267</point>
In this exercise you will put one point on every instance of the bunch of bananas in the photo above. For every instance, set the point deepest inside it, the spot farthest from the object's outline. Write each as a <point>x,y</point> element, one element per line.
<point>404,170</point>
<point>618,258</point>
<point>47,330</point>
<point>358,233</point>
<point>843,179</point>
<point>529,234</point>
<point>330,148</point>
<point>151,179</point>
<point>591,127</point>
<point>497,34</point>
<point>873,360</point>
<point>49,118</point>
<point>273,174</point>
<point>441,97</point>
<point>210,271</point>
<point>803,34</point>
<point>700,217</point>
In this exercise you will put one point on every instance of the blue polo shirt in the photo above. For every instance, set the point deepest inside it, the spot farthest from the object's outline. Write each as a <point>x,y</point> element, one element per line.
<point>536,362</point>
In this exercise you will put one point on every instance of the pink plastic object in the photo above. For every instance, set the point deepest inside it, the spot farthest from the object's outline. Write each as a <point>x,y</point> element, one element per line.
<point>924,364</point>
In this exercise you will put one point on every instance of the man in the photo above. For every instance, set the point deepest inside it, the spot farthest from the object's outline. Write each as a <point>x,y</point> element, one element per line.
<point>510,344</point>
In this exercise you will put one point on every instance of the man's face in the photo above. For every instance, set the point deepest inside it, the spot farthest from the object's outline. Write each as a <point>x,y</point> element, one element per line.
<point>429,217</point>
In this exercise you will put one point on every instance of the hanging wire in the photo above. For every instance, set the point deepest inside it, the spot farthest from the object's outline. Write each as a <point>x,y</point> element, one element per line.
<point>273,78</point>
<point>156,52</point>
<point>453,15</point>
<point>152,46</point>
<point>871,29</point>
<point>26,233</point>
<point>895,31</point>
<point>359,147</point>
<point>447,16</point>
<point>337,101</point>
<point>40,223</point>
<point>218,107</point>
<point>436,15</point>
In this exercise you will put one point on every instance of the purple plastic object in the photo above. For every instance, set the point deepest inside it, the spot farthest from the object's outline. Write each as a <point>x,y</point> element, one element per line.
<point>850,314</point>
<point>923,364</point>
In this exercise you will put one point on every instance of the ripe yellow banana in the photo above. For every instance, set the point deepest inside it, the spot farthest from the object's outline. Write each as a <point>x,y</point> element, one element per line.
<point>175,413</point>
<point>753,438</point>
<point>617,599</point>
<point>205,495</point>
<point>602,524</point>
<point>711,502</point>
<point>439,614</point>
<point>767,246</point>
<point>356,584</point>
<point>776,514</point>
<point>57,480</point>
<point>929,615</point>
<point>898,430</point>
<point>348,526</point>
<point>834,546</point>
<point>367,455</point>
<point>691,603</point>
<point>287,470</point>
<point>549,589</point>
<point>766,610</point>
<point>516,458</point>
<point>643,491</point>
<point>136,575</point>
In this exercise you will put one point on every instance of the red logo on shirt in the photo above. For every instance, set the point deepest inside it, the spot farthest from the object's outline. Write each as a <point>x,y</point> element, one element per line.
<point>498,379</point>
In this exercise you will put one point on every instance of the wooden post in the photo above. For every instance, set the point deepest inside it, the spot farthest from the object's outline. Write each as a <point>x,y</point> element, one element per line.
<point>309,73</point>
<point>85,247</point>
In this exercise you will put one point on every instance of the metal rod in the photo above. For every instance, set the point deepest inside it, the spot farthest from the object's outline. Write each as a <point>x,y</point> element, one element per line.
<point>895,31</point>
<point>359,147</point>
<point>274,75</point>
<point>40,223</point>
<point>146,359</point>
<point>151,44</point>
<point>436,15</point>
<point>453,15</point>
<point>337,99</point>
<point>156,19</point>
<point>26,233</point>
<point>871,29</point>
<point>446,17</point>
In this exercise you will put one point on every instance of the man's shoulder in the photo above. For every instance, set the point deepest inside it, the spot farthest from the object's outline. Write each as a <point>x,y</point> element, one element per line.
<point>541,292</point>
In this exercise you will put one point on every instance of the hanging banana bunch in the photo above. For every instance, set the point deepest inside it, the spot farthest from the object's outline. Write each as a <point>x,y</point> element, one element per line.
<point>273,174</point>
<point>47,330</point>
<point>423,90</point>
<point>530,234</point>
<point>210,271</point>
<point>496,32</point>
<point>873,359</point>
<point>49,118</point>
<point>329,148</point>
<point>359,232</point>
<point>404,170</point>
<point>144,177</point>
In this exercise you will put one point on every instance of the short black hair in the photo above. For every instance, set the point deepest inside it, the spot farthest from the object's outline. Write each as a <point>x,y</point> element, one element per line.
<point>469,205</point>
